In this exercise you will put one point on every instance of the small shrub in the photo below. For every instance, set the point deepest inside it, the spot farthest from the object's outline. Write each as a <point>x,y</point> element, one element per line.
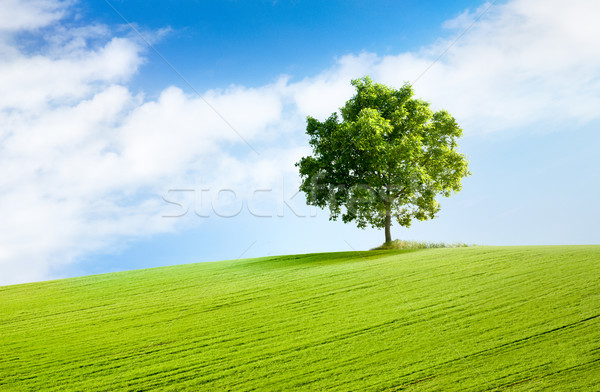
<point>400,244</point>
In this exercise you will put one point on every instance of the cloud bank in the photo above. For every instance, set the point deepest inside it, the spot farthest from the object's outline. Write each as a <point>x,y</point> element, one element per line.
<point>85,161</point>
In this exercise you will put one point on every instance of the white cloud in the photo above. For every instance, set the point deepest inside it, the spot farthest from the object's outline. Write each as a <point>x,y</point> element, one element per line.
<point>524,62</point>
<point>32,83</point>
<point>323,94</point>
<point>84,161</point>
<point>18,15</point>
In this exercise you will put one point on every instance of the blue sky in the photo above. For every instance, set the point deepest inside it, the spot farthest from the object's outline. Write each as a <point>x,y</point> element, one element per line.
<point>97,132</point>
<point>215,44</point>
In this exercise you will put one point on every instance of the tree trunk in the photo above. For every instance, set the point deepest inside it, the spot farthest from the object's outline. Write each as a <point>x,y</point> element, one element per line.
<point>388,223</point>
<point>388,220</point>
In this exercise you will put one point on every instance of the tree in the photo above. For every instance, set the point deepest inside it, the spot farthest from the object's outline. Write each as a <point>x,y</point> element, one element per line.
<point>388,158</point>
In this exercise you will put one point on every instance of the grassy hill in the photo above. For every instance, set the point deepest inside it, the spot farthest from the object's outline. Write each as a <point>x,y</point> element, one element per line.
<point>460,319</point>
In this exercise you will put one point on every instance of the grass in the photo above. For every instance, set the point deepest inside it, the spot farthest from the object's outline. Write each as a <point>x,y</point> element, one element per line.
<point>441,319</point>
<point>403,244</point>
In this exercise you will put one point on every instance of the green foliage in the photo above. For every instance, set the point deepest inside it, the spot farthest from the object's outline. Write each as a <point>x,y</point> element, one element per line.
<point>388,158</point>
<point>461,319</point>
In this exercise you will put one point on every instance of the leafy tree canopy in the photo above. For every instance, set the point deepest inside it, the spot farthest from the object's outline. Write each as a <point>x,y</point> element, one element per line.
<point>387,159</point>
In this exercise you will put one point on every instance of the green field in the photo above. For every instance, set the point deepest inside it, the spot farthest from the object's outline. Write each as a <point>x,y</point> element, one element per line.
<point>458,319</point>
